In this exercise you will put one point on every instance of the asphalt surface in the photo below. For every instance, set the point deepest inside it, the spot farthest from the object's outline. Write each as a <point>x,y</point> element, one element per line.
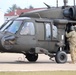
<point>17,62</point>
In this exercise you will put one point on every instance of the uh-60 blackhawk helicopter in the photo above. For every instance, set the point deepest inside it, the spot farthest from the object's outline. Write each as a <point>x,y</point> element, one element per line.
<point>39,32</point>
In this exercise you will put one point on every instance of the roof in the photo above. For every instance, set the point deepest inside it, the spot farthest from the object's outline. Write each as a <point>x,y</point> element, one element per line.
<point>19,11</point>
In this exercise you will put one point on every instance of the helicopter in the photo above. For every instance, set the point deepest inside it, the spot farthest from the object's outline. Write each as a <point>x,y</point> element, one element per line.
<point>39,32</point>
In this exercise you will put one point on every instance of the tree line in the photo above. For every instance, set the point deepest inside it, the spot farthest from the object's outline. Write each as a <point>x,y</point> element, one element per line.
<point>15,7</point>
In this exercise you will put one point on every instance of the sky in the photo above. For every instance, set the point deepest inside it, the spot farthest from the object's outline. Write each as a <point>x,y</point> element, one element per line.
<point>5,4</point>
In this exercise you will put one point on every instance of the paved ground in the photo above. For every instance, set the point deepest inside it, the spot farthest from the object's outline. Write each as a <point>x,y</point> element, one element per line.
<point>17,62</point>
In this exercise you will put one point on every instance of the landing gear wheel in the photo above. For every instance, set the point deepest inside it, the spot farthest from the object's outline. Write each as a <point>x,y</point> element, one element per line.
<point>32,57</point>
<point>61,57</point>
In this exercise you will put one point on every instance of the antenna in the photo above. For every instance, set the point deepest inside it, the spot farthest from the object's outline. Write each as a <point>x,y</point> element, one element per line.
<point>74,2</point>
<point>47,5</point>
<point>57,3</point>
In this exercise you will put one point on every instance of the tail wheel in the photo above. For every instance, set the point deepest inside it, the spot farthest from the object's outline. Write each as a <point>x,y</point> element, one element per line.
<point>32,57</point>
<point>61,57</point>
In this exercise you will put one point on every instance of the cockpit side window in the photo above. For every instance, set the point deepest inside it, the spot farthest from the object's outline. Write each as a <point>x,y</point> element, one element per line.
<point>28,29</point>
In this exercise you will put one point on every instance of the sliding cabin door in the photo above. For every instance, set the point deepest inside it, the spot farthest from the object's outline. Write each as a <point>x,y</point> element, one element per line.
<point>46,35</point>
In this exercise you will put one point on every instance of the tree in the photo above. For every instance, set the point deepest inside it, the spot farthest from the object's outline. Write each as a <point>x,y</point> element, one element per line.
<point>31,7</point>
<point>13,8</point>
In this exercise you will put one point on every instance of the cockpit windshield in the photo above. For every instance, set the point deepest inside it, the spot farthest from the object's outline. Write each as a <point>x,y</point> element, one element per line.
<point>5,25</point>
<point>13,27</point>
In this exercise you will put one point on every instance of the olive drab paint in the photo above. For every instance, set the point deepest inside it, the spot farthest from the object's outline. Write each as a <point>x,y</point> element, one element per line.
<point>39,32</point>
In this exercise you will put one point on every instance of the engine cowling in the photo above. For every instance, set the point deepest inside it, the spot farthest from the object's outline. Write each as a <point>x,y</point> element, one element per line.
<point>70,13</point>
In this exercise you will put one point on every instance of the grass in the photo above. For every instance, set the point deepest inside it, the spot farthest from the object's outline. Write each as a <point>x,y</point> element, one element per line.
<point>40,73</point>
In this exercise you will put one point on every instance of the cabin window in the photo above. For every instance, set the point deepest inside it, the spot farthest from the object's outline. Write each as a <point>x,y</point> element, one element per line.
<point>54,30</point>
<point>28,29</point>
<point>48,31</point>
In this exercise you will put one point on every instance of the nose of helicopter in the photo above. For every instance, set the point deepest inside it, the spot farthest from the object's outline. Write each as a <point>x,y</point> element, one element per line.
<point>6,41</point>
